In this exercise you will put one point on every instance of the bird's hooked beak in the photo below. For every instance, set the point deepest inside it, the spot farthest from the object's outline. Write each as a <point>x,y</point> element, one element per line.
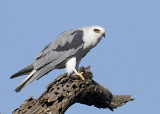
<point>103,35</point>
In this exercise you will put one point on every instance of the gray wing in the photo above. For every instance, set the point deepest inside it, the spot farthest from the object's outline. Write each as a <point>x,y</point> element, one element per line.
<point>24,71</point>
<point>56,53</point>
<point>65,46</point>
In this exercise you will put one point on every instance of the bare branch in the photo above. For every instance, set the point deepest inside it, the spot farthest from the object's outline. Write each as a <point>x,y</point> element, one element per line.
<point>65,90</point>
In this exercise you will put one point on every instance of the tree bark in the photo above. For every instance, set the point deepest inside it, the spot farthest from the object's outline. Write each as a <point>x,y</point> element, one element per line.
<point>65,90</point>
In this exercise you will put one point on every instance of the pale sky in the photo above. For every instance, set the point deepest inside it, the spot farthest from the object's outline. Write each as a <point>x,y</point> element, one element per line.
<point>127,61</point>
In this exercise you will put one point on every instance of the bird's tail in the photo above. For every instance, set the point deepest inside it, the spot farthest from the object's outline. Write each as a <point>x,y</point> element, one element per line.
<point>33,75</point>
<point>26,81</point>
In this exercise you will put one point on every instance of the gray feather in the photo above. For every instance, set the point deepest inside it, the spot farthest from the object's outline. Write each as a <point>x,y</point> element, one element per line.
<point>34,75</point>
<point>74,43</point>
<point>25,82</point>
<point>54,55</point>
<point>24,71</point>
<point>65,46</point>
<point>58,52</point>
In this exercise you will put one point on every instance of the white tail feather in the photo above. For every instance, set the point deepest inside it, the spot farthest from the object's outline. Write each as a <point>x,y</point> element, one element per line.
<point>23,83</point>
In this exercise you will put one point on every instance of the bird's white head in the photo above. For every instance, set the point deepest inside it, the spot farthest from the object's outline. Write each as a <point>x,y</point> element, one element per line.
<point>97,31</point>
<point>92,35</point>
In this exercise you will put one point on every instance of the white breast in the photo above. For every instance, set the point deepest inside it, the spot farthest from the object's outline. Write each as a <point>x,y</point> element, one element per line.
<point>90,41</point>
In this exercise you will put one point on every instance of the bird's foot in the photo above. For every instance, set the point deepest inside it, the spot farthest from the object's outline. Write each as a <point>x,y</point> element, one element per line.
<point>79,74</point>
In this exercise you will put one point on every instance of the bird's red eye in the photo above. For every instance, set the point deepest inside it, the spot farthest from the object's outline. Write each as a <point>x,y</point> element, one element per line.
<point>96,30</point>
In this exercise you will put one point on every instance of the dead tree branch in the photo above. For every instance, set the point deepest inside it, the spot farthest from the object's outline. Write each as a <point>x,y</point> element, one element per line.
<point>65,90</point>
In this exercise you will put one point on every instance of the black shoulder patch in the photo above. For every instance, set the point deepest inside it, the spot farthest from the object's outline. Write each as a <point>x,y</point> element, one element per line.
<point>76,42</point>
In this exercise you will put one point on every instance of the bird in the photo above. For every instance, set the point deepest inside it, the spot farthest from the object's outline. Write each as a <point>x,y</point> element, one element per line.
<point>66,51</point>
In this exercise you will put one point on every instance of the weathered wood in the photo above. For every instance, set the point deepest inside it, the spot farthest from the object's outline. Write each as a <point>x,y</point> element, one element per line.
<point>65,90</point>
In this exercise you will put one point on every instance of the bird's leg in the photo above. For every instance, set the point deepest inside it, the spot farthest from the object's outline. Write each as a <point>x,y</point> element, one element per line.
<point>79,74</point>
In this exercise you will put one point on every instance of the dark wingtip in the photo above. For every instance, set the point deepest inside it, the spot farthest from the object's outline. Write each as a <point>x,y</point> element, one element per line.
<point>12,77</point>
<point>18,88</point>
<point>24,71</point>
<point>17,91</point>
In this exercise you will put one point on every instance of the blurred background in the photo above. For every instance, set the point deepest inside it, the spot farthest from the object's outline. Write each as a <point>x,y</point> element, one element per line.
<point>127,61</point>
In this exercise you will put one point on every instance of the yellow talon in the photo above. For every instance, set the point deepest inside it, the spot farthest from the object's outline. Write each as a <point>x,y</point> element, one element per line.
<point>79,74</point>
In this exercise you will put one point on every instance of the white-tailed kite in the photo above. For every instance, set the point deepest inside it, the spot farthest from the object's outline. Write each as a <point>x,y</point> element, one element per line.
<point>66,51</point>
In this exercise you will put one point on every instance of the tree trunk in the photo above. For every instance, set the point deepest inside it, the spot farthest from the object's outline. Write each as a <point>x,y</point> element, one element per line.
<point>65,90</point>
